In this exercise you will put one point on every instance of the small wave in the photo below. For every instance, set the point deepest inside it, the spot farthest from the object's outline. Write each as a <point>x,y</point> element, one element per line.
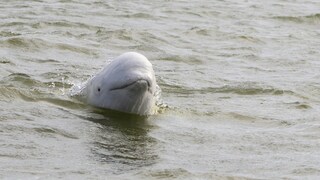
<point>244,90</point>
<point>122,34</point>
<point>140,15</point>
<point>8,93</point>
<point>228,89</point>
<point>25,81</point>
<point>312,19</point>
<point>8,34</point>
<point>34,95</point>
<point>37,44</point>
<point>53,131</point>
<point>22,86</point>
<point>19,42</point>
<point>199,31</point>
<point>5,61</point>
<point>74,48</point>
<point>60,24</point>
<point>173,173</point>
<point>47,61</point>
<point>20,78</point>
<point>15,24</point>
<point>193,60</point>
<point>160,105</point>
<point>78,90</point>
<point>44,24</point>
<point>248,38</point>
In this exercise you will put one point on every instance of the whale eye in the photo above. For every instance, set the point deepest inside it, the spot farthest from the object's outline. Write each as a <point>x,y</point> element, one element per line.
<point>99,89</point>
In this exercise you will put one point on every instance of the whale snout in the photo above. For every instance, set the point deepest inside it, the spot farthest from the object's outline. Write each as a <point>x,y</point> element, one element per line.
<point>143,85</point>
<point>140,85</point>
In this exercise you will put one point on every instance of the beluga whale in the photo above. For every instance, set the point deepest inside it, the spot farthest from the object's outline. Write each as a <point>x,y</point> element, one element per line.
<point>127,84</point>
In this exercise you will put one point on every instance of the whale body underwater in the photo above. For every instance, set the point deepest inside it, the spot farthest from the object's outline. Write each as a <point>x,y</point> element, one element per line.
<point>127,84</point>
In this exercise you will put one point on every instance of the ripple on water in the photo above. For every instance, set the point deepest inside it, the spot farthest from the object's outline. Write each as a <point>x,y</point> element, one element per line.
<point>192,60</point>
<point>52,132</point>
<point>241,89</point>
<point>310,19</point>
<point>21,86</point>
<point>123,34</point>
<point>59,24</point>
<point>8,34</point>
<point>6,61</point>
<point>34,44</point>
<point>139,16</point>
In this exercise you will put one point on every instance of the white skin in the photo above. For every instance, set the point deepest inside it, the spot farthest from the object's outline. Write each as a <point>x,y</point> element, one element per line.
<point>127,84</point>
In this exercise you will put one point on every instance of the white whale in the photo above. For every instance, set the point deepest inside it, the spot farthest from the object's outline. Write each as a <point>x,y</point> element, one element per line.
<point>127,84</point>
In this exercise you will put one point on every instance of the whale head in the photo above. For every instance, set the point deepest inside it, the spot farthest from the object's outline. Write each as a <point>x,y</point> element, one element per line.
<point>127,84</point>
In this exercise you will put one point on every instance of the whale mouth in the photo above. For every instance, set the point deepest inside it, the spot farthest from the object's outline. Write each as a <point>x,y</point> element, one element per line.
<point>139,82</point>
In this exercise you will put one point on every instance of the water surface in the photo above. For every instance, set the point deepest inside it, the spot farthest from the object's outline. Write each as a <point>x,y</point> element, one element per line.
<point>241,79</point>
